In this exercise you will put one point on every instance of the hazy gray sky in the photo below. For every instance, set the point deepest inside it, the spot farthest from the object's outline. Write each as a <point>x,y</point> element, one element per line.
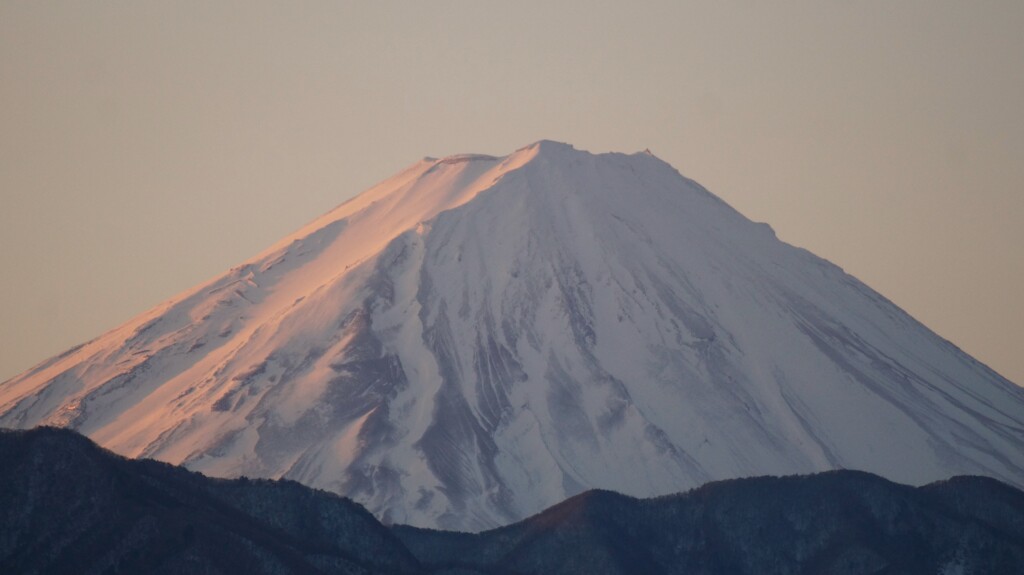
<point>148,146</point>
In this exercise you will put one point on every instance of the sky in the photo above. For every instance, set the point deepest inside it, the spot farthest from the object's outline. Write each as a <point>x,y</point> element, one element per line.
<point>146,147</point>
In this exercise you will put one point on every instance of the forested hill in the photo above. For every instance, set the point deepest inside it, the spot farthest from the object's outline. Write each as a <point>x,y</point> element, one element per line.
<point>68,506</point>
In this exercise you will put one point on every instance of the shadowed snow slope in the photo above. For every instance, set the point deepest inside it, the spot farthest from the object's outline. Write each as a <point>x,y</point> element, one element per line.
<point>478,338</point>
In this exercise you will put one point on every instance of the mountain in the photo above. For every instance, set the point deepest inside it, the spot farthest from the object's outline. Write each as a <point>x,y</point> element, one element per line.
<point>478,338</point>
<point>68,506</point>
<point>838,522</point>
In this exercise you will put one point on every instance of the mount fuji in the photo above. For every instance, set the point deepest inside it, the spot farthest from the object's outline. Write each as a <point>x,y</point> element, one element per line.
<point>478,338</point>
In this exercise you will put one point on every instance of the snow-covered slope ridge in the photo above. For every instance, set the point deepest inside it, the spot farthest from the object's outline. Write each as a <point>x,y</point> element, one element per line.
<point>477,338</point>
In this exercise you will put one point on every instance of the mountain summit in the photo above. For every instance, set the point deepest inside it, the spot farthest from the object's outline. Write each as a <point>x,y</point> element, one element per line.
<point>478,337</point>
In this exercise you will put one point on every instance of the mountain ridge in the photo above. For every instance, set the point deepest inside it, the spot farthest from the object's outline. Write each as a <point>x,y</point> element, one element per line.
<point>70,506</point>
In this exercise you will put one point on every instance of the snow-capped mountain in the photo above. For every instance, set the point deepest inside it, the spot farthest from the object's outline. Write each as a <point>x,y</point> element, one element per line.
<point>479,337</point>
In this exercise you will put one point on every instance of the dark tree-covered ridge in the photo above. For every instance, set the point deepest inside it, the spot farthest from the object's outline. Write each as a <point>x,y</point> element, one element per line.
<point>68,506</point>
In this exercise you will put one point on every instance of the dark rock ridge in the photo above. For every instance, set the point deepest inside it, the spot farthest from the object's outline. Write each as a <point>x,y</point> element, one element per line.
<point>68,506</point>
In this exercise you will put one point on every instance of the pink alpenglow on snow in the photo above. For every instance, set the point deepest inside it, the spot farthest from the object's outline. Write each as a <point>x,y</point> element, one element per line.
<point>477,338</point>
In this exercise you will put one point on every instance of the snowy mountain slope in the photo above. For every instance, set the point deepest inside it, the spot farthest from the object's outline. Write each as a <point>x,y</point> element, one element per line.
<point>478,338</point>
